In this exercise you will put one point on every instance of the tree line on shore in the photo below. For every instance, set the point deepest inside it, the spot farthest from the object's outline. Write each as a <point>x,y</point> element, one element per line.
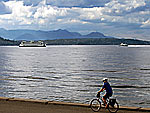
<point>81,41</point>
<point>7,42</point>
<point>96,41</point>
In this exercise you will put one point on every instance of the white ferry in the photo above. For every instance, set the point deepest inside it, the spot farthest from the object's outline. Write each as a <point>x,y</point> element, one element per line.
<point>122,44</point>
<point>32,44</point>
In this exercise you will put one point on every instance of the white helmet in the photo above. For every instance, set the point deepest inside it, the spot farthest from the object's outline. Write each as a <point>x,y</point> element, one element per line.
<point>105,79</point>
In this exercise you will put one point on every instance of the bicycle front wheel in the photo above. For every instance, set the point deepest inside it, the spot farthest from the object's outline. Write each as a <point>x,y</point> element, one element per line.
<point>95,105</point>
<point>113,108</point>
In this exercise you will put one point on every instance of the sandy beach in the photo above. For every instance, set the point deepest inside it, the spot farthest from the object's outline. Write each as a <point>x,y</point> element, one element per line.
<point>13,105</point>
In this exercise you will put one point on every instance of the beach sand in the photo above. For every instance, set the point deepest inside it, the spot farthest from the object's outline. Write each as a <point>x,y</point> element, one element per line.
<point>38,106</point>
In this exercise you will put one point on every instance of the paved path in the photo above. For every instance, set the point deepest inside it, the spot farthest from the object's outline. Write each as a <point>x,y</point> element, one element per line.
<point>31,107</point>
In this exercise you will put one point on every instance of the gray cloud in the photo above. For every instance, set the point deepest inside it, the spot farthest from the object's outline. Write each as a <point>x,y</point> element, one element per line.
<point>4,0</point>
<point>78,3</point>
<point>4,9</point>
<point>123,7</point>
<point>29,2</point>
<point>67,3</point>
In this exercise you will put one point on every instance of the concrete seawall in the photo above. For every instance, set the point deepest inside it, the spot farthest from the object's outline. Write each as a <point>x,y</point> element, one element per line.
<point>67,104</point>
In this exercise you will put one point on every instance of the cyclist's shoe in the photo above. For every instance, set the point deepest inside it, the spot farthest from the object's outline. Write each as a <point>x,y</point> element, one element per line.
<point>106,106</point>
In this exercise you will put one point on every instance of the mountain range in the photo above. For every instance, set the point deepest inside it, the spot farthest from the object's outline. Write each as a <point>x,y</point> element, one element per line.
<point>23,34</point>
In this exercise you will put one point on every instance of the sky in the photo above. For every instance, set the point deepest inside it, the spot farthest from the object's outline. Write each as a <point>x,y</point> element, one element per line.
<point>118,18</point>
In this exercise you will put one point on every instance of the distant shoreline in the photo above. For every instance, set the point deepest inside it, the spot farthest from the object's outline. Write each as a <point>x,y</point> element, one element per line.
<point>81,41</point>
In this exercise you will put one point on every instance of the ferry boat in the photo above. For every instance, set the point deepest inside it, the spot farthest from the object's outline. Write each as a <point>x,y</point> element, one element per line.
<point>122,44</point>
<point>32,44</point>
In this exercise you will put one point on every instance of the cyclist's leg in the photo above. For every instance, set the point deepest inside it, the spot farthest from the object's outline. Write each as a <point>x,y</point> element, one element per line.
<point>105,97</point>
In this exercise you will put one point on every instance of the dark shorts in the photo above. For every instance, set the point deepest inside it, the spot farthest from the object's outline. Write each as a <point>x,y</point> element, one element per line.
<point>107,95</point>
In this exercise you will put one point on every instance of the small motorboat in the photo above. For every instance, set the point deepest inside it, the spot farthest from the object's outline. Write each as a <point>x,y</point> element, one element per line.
<point>123,44</point>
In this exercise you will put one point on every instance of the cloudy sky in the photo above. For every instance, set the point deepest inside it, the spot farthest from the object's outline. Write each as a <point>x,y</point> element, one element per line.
<point>119,18</point>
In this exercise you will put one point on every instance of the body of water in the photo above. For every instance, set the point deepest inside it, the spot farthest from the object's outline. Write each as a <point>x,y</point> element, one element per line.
<point>74,73</point>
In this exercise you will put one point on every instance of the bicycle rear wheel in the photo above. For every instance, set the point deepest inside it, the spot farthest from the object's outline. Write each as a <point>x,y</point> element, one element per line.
<point>113,108</point>
<point>95,105</point>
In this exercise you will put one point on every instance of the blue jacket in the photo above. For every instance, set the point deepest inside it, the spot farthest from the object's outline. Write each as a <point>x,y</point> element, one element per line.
<point>107,88</point>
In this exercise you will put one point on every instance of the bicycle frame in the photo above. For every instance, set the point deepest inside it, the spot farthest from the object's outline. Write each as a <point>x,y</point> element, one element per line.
<point>101,100</point>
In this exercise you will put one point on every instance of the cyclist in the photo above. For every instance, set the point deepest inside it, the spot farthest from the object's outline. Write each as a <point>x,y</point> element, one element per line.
<point>108,89</point>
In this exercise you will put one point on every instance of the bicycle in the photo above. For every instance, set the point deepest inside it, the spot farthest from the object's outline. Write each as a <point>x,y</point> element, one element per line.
<point>113,105</point>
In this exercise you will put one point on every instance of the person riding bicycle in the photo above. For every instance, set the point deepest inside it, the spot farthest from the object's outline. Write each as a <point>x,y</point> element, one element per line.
<point>108,89</point>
